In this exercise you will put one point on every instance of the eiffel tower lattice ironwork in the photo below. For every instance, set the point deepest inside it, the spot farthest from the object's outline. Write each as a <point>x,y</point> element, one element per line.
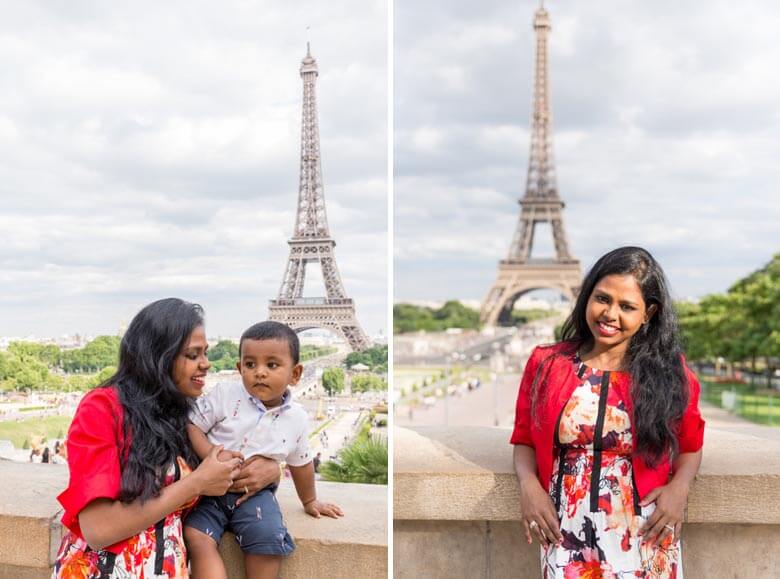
<point>520,272</point>
<point>311,241</point>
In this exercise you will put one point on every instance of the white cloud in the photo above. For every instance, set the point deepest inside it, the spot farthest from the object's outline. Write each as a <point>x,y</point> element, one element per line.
<point>152,149</point>
<point>666,132</point>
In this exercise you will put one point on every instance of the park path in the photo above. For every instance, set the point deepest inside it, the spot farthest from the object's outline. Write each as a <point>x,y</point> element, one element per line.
<point>721,419</point>
<point>339,432</point>
<point>477,408</point>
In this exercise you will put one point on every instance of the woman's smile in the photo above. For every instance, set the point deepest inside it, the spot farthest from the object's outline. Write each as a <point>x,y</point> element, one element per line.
<point>607,330</point>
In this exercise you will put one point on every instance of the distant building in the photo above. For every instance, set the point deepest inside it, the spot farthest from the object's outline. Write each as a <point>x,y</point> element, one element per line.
<point>64,342</point>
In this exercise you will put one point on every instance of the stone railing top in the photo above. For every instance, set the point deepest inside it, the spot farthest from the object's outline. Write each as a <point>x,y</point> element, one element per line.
<point>30,515</point>
<point>466,473</point>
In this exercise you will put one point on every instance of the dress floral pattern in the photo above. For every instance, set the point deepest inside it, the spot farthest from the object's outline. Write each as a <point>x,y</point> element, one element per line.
<point>143,557</point>
<point>600,525</point>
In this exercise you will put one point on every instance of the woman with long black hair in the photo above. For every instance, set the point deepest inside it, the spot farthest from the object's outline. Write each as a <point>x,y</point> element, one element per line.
<point>132,471</point>
<point>608,433</point>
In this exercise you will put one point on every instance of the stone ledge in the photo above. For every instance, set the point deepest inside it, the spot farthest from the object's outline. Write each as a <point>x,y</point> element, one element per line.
<point>355,546</point>
<point>466,474</point>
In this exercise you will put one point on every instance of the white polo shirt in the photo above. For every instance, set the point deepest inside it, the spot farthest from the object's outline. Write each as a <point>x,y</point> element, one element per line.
<point>228,415</point>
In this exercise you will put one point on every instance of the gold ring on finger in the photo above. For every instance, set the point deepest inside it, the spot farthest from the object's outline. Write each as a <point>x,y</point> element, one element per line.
<point>246,490</point>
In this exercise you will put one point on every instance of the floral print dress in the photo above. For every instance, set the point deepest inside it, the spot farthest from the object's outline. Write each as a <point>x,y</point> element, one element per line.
<point>158,551</point>
<point>600,524</point>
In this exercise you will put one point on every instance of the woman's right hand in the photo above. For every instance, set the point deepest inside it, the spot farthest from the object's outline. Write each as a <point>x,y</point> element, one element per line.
<point>215,476</point>
<point>539,516</point>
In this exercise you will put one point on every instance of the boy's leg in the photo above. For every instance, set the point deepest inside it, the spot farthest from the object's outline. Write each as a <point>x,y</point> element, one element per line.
<point>205,559</point>
<point>261,566</point>
<point>262,535</point>
<point>203,529</point>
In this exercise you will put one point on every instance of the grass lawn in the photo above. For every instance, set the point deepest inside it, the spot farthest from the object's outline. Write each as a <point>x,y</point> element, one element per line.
<point>48,427</point>
<point>760,406</point>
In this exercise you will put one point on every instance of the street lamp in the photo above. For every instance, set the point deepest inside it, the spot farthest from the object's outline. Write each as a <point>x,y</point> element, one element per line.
<point>450,373</point>
<point>496,365</point>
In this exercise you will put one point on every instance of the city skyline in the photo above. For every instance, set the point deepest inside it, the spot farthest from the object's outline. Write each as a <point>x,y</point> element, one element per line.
<point>152,151</point>
<point>665,120</point>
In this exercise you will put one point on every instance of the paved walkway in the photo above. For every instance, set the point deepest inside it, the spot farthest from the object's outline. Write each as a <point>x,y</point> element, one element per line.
<point>341,427</point>
<point>722,420</point>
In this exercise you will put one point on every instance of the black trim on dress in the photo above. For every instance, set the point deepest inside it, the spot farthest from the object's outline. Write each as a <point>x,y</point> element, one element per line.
<point>598,443</point>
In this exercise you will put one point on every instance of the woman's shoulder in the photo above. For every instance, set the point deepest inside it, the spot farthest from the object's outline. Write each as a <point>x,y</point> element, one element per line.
<point>101,395</point>
<point>545,351</point>
<point>102,400</point>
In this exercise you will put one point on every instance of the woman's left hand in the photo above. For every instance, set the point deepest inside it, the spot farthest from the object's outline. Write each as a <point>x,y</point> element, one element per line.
<point>668,515</point>
<point>256,473</point>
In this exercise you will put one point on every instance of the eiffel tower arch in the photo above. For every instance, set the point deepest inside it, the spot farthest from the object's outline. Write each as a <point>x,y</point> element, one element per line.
<point>311,242</point>
<point>520,272</point>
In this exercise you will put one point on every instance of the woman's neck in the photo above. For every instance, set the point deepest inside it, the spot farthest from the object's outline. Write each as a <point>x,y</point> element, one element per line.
<point>611,359</point>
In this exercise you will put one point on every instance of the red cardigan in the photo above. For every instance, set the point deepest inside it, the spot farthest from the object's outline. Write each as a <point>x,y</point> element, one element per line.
<point>560,372</point>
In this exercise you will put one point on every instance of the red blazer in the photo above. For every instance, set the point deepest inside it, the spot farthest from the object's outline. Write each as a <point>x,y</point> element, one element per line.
<point>94,443</point>
<point>560,372</point>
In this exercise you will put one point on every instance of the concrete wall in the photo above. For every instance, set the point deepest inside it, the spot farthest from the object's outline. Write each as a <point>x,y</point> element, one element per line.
<point>352,547</point>
<point>457,514</point>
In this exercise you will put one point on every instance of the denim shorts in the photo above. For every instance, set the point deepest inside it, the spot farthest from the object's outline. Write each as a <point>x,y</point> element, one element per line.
<point>257,522</point>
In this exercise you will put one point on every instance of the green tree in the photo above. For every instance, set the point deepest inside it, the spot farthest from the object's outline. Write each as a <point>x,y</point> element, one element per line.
<point>310,352</point>
<point>27,375</point>
<point>101,352</point>
<point>523,316</point>
<point>77,382</point>
<point>3,366</point>
<point>223,356</point>
<point>54,382</point>
<point>453,314</point>
<point>366,382</point>
<point>364,461</point>
<point>223,349</point>
<point>741,325</point>
<point>100,377</point>
<point>375,358</point>
<point>758,300</point>
<point>333,380</point>
<point>46,354</point>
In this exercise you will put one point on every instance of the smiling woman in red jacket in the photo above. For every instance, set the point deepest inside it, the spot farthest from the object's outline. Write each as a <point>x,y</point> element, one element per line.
<point>133,473</point>
<point>608,433</point>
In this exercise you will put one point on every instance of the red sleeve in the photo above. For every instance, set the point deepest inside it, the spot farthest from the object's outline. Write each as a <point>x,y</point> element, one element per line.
<point>691,436</point>
<point>93,454</point>
<point>522,432</point>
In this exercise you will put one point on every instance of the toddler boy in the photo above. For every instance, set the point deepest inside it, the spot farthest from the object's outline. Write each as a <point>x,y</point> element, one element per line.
<point>251,418</point>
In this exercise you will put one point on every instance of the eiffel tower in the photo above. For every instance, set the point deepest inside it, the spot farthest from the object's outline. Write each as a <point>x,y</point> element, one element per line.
<point>520,272</point>
<point>311,240</point>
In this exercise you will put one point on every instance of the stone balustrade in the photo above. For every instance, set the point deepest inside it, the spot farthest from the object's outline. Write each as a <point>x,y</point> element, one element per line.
<point>456,507</point>
<point>352,547</point>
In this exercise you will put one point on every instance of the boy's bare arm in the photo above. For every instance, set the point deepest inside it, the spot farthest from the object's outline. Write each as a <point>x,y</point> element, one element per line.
<point>202,447</point>
<point>303,477</point>
<point>200,444</point>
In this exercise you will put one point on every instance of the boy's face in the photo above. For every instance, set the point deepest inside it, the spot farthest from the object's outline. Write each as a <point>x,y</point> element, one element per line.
<point>267,369</point>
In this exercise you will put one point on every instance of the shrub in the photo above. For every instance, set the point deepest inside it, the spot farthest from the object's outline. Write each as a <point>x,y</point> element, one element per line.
<point>364,461</point>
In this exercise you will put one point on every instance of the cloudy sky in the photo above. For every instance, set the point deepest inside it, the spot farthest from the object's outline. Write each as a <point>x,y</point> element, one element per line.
<point>667,135</point>
<point>151,149</point>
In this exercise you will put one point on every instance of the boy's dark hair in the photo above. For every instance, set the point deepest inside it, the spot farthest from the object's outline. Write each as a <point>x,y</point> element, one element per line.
<point>273,331</point>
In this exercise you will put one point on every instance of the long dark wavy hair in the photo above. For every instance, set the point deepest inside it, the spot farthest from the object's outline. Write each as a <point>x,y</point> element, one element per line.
<point>654,357</point>
<point>155,412</point>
